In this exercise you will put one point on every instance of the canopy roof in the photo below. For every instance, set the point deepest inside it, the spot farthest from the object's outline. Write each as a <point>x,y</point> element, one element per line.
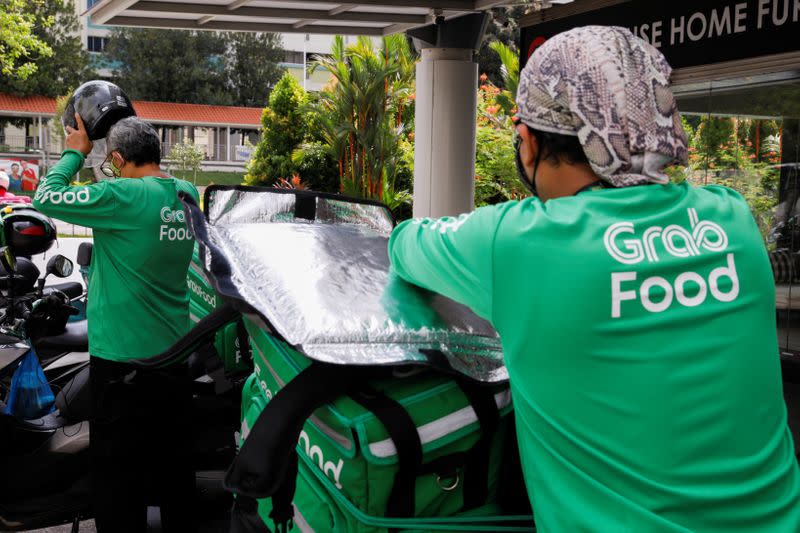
<point>155,112</point>
<point>371,17</point>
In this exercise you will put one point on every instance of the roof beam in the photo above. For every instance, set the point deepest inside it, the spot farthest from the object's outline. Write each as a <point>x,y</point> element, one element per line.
<point>301,23</point>
<point>276,13</point>
<point>398,28</point>
<point>205,20</point>
<point>106,10</point>
<point>481,5</point>
<point>217,25</point>
<point>236,4</point>
<point>340,9</point>
<point>463,5</point>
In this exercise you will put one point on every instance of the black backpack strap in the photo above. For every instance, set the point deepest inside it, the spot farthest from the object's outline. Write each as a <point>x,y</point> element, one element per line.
<point>404,435</point>
<point>282,512</point>
<point>244,342</point>
<point>202,332</point>
<point>244,516</point>
<point>476,472</point>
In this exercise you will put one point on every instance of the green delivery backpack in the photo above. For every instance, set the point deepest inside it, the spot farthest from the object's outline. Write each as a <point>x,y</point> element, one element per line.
<point>403,449</point>
<point>203,299</point>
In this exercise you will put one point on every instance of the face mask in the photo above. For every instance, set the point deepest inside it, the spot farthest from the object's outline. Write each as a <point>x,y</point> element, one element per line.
<point>109,169</point>
<point>521,173</point>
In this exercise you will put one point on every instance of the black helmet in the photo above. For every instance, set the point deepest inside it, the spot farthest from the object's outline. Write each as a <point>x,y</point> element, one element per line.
<point>27,231</point>
<point>100,104</point>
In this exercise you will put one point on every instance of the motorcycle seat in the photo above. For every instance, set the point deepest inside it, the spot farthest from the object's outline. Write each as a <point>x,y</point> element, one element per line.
<point>75,338</point>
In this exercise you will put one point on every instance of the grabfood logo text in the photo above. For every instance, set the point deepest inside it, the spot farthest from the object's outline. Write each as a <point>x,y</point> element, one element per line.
<point>628,245</point>
<point>210,299</point>
<point>173,227</point>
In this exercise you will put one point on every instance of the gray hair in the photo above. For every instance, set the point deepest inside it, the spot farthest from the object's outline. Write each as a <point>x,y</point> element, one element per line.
<point>135,140</point>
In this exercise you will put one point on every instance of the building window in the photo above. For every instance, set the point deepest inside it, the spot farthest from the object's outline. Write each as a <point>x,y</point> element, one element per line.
<point>96,44</point>
<point>90,3</point>
<point>294,57</point>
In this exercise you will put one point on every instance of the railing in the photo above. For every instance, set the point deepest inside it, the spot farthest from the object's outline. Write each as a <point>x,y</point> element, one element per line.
<point>20,144</point>
<point>23,144</point>
<point>214,152</point>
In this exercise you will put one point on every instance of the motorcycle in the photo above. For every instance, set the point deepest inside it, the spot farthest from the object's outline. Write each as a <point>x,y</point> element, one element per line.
<point>63,351</point>
<point>44,461</point>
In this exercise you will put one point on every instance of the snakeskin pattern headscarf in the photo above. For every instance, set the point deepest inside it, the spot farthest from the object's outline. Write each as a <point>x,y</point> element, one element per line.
<point>611,90</point>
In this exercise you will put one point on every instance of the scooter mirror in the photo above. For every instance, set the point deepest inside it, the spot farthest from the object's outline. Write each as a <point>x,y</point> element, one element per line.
<point>8,260</point>
<point>60,266</point>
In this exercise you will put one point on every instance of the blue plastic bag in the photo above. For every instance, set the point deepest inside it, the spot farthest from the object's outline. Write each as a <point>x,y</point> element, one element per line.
<point>31,395</point>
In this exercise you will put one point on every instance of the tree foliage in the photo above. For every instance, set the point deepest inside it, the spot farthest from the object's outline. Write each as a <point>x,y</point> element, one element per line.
<point>188,157</point>
<point>61,106</point>
<point>52,48</point>
<point>252,66</point>
<point>509,67</point>
<point>195,67</point>
<point>504,28</point>
<point>363,115</point>
<point>19,44</point>
<point>169,65</point>
<point>495,169</point>
<point>282,131</point>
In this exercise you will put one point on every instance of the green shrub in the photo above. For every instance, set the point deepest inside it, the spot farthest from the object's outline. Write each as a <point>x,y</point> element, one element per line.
<point>315,166</point>
<point>283,129</point>
<point>496,178</point>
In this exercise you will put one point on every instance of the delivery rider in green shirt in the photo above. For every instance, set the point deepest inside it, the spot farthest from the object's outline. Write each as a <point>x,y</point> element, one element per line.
<point>637,317</point>
<point>137,307</point>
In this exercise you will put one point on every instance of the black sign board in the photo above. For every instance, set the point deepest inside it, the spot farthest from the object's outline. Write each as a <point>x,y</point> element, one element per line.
<point>691,32</point>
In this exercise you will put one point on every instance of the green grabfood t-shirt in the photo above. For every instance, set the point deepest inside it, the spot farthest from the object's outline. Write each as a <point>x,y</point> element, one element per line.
<point>638,327</point>
<point>138,303</point>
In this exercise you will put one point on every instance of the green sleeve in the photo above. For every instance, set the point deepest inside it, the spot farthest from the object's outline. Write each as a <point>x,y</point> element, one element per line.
<point>92,206</point>
<point>450,256</point>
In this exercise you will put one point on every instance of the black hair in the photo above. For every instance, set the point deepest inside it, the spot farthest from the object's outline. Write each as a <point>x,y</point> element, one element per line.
<point>557,148</point>
<point>136,141</point>
<point>14,165</point>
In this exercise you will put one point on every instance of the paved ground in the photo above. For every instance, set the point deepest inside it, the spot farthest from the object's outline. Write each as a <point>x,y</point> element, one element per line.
<point>217,525</point>
<point>85,527</point>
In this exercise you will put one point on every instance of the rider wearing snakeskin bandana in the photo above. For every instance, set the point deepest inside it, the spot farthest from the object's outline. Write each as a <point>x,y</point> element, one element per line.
<point>611,91</point>
<point>637,316</point>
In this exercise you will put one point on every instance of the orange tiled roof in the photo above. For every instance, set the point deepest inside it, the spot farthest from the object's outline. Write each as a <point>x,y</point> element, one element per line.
<point>158,112</point>
<point>39,105</point>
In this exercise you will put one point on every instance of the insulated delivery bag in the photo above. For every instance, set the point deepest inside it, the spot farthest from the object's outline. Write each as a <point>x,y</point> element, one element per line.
<point>374,405</point>
<point>202,301</point>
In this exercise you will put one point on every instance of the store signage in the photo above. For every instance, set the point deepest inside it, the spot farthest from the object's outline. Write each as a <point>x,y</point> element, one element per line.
<point>244,152</point>
<point>691,32</point>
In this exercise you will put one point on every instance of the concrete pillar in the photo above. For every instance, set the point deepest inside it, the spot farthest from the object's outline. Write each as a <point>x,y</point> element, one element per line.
<point>445,122</point>
<point>446,115</point>
<point>228,143</point>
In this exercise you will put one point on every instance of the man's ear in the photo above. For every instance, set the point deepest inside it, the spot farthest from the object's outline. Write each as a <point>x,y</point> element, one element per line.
<point>531,144</point>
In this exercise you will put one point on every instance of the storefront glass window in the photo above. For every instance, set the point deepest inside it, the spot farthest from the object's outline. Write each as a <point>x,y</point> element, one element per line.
<point>746,134</point>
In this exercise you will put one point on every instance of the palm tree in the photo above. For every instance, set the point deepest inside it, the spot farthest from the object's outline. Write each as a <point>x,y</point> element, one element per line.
<point>362,109</point>
<point>509,57</point>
